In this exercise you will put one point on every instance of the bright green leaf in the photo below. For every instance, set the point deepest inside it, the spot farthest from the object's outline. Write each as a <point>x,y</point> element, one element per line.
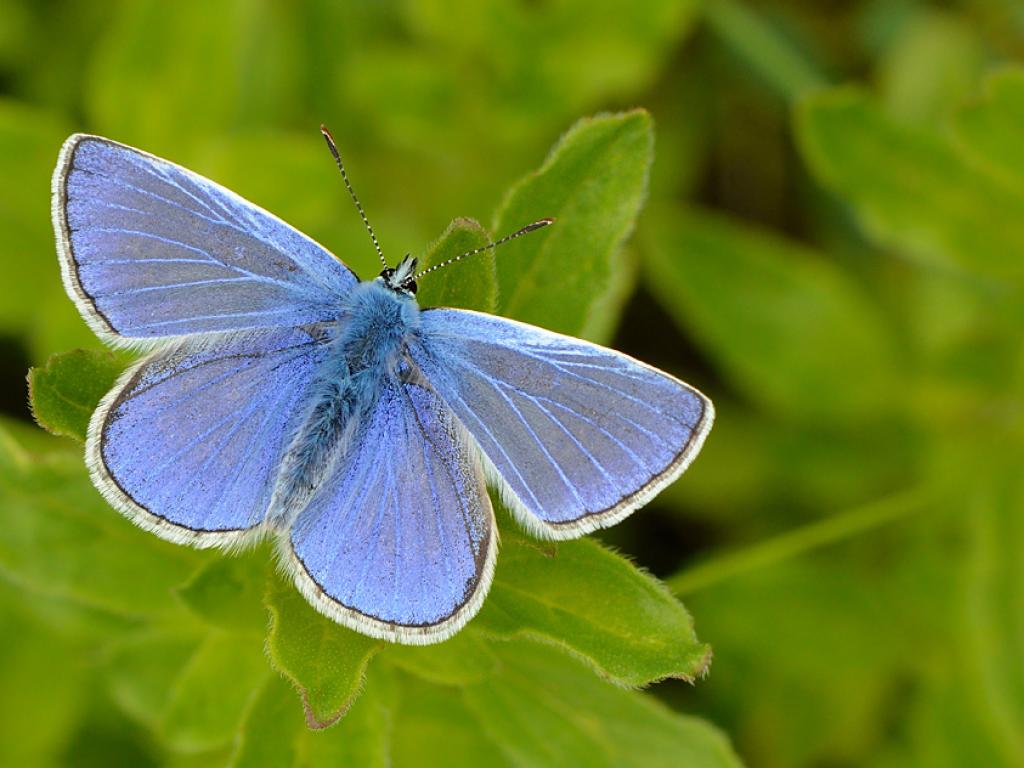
<point>992,131</point>
<point>911,189</point>
<point>994,606</point>
<point>593,182</point>
<point>751,464</point>
<point>141,670</point>
<point>469,284</point>
<point>270,733</point>
<point>62,539</point>
<point>464,658</point>
<point>211,695</point>
<point>581,597</point>
<point>775,315</point>
<point>324,660</point>
<point>434,727</point>
<point>828,614</point>
<point>533,67</point>
<point>224,66</point>
<point>608,307</point>
<point>43,685</point>
<point>64,393</point>
<point>930,66</point>
<point>228,591</point>
<point>545,709</point>
<point>275,733</point>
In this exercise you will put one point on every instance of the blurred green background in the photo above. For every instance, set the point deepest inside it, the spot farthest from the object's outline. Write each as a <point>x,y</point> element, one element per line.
<point>832,249</point>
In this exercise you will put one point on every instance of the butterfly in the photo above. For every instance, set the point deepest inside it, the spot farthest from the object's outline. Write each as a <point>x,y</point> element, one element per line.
<point>280,396</point>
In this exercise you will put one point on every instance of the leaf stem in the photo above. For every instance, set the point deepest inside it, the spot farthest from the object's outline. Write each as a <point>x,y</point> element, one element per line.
<point>834,529</point>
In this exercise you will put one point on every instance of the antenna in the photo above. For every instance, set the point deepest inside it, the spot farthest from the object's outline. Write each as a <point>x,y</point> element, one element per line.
<point>337,159</point>
<point>518,233</point>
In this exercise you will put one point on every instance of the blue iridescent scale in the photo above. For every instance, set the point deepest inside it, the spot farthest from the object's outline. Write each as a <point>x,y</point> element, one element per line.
<point>366,348</point>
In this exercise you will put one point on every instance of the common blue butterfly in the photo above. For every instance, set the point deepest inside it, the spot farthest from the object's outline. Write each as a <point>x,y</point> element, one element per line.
<point>282,396</point>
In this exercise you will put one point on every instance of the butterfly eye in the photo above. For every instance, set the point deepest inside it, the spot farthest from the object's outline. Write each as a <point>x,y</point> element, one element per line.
<point>410,287</point>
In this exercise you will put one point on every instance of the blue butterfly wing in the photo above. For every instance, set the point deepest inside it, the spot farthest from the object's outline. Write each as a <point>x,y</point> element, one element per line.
<point>576,435</point>
<point>149,249</point>
<point>189,441</point>
<point>399,543</point>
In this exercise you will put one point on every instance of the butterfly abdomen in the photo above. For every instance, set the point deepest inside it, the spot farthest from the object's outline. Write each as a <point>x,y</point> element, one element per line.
<point>365,350</point>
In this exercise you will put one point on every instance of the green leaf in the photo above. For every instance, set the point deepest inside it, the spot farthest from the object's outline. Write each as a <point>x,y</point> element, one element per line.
<point>43,687</point>
<point>275,733</point>
<point>211,695</point>
<point>545,709</point>
<point>470,284</point>
<point>992,130</point>
<point>608,307</point>
<point>64,393</point>
<point>992,605</point>
<point>912,190</point>
<point>768,53</point>
<point>593,182</point>
<point>434,726</point>
<point>272,728</point>
<point>751,464</point>
<point>224,66</point>
<point>464,658</point>
<point>325,661</point>
<point>858,625</point>
<point>581,597</point>
<point>62,539</point>
<point>931,66</point>
<point>772,313</point>
<point>228,591</point>
<point>141,670</point>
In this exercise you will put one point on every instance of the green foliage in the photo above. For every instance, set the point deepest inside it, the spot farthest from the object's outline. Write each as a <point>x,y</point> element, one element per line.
<point>838,267</point>
<point>464,659</point>
<point>228,591</point>
<point>532,711</point>
<point>210,694</point>
<point>929,202</point>
<point>763,49</point>
<point>749,295</point>
<point>468,286</point>
<point>276,735</point>
<point>991,130</point>
<point>35,720</point>
<point>57,529</point>
<point>65,391</point>
<point>593,183</point>
<point>324,660</point>
<point>579,596</point>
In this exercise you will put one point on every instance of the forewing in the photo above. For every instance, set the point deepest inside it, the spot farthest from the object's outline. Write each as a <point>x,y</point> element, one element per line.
<point>188,442</point>
<point>577,435</point>
<point>400,542</point>
<point>149,249</point>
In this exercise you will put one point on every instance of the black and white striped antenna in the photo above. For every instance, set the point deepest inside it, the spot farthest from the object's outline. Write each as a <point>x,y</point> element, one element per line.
<point>366,222</point>
<point>518,233</point>
<point>341,167</point>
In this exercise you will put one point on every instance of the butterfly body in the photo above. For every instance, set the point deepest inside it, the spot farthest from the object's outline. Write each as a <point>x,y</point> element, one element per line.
<point>279,396</point>
<point>366,347</point>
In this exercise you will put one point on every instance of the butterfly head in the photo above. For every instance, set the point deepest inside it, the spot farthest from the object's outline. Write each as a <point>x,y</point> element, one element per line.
<point>402,278</point>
